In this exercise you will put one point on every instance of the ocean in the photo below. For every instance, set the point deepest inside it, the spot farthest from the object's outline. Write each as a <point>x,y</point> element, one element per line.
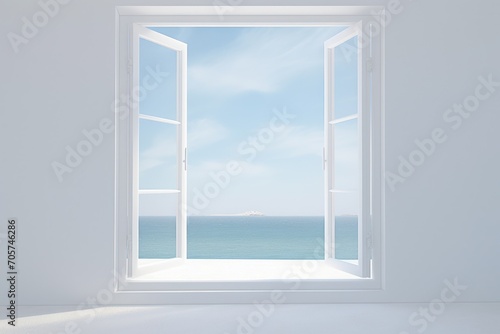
<point>247,237</point>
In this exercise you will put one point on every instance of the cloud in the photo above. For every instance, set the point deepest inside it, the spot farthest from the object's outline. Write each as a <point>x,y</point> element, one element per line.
<point>259,60</point>
<point>299,141</point>
<point>205,172</point>
<point>147,164</point>
<point>204,132</point>
<point>254,169</point>
<point>162,151</point>
<point>203,169</point>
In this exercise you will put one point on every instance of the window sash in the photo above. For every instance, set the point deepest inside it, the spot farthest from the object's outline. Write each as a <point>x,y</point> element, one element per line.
<point>136,266</point>
<point>362,266</point>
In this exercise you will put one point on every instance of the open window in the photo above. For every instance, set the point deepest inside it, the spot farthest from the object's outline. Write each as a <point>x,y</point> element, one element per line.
<point>347,148</point>
<point>351,154</point>
<point>158,178</point>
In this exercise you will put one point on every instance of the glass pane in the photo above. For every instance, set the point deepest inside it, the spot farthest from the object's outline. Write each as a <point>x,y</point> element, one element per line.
<point>346,155</point>
<point>157,226</point>
<point>346,212</point>
<point>157,92</point>
<point>345,78</point>
<point>157,155</point>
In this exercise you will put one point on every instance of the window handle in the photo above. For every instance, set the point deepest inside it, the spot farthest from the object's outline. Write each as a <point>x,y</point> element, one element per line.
<point>324,158</point>
<point>185,159</point>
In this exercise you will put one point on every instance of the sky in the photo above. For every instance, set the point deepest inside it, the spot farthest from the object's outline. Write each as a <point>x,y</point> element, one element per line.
<point>255,121</point>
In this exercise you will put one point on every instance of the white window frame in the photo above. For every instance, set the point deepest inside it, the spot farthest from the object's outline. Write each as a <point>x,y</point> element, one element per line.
<point>138,278</point>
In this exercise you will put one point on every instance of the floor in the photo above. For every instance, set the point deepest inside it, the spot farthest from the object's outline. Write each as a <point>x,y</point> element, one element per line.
<point>458,318</point>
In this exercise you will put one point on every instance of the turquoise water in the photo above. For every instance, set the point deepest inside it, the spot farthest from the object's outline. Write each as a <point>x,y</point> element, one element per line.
<point>225,237</point>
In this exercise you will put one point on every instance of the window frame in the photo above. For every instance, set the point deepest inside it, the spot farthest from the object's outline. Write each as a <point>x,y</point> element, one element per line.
<point>128,274</point>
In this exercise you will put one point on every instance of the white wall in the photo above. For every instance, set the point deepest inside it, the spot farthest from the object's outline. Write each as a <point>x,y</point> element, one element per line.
<point>442,223</point>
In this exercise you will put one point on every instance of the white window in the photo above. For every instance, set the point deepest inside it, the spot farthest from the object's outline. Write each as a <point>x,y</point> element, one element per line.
<point>347,129</point>
<point>169,121</point>
<point>353,127</point>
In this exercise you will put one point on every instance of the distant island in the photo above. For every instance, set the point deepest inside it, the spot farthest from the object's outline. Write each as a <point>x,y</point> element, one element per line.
<point>245,214</point>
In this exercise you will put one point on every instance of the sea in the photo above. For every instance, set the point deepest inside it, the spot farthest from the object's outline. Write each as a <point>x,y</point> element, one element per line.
<point>247,237</point>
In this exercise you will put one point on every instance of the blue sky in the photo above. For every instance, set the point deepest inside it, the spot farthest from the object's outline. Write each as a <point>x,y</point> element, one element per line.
<point>238,79</point>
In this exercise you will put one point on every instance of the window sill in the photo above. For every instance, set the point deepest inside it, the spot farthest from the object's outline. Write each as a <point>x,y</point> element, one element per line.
<point>243,275</point>
<point>241,270</point>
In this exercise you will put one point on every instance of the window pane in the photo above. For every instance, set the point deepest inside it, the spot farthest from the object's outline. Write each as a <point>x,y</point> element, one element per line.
<point>346,155</point>
<point>157,155</point>
<point>157,93</point>
<point>157,226</point>
<point>345,80</point>
<point>346,212</point>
